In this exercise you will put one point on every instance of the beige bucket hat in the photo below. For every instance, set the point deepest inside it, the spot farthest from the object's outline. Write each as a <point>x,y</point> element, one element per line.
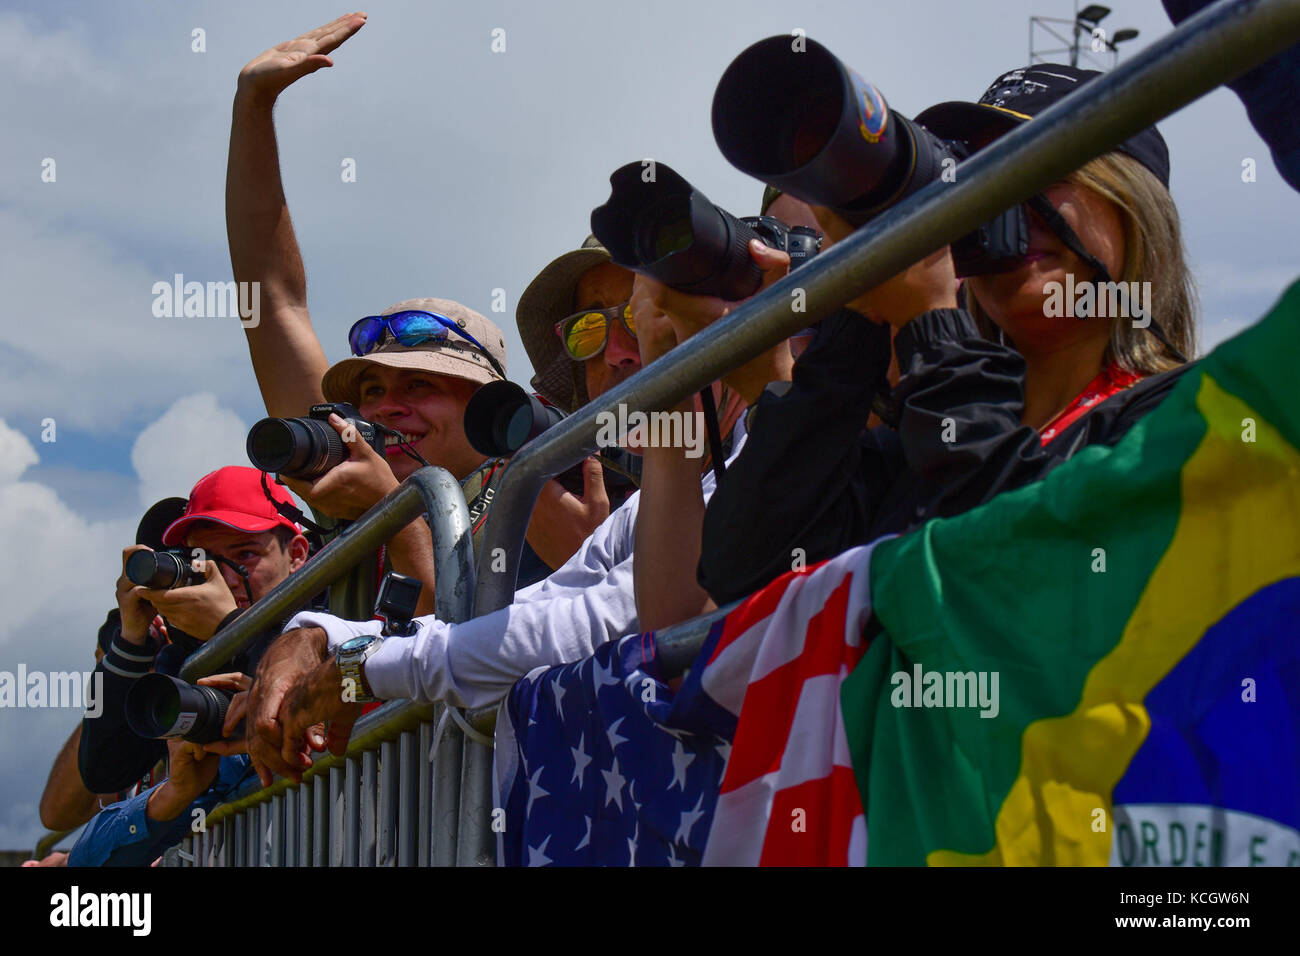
<point>455,356</point>
<point>548,299</point>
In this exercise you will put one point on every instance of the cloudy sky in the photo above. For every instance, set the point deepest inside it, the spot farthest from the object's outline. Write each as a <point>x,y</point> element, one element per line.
<point>473,169</point>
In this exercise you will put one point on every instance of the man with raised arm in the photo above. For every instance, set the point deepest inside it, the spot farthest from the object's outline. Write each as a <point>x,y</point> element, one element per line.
<point>414,366</point>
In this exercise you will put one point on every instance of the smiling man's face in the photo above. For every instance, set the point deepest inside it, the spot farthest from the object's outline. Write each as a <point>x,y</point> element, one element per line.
<point>428,409</point>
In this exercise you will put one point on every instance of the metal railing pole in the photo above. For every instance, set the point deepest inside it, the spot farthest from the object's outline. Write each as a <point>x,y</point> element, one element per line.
<point>321,820</point>
<point>369,792</point>
<point>406,824</point>
<point>424,793</point>
<point>47,843</point>
<point>445,802</point>
<point>386,806</point>
<point>475,842</point>
<point>338,813</point>
<point>352,812</point>
<point>284,832</point>
<point>263,832</point>
<point>1209,49</point>
<point>302,800</point>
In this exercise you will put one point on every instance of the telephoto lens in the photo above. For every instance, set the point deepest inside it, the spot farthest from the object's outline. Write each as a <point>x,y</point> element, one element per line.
<point>159,706</point>
<point>162,570</point>
<point>820,132</point>
<point>296,447</point>
<point>657,224</point>
<point>500,418</point>
<point>306,448</point>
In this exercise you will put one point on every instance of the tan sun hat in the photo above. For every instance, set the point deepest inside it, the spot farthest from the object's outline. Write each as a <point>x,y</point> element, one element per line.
<point>456,357</point>
<point>548,299</point>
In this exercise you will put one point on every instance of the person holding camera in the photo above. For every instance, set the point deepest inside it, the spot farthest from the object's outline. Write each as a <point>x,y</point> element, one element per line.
<point>414,366</point>
<point>135,831</point>
<point>670,520</point>
<point>230,548</point>
<point>991,394</point>
<point>581,288</point>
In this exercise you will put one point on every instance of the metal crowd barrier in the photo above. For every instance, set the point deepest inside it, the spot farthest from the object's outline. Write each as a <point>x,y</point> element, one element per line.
<point>414,786</point>
<point>409,793</point>
<point>47,843</point>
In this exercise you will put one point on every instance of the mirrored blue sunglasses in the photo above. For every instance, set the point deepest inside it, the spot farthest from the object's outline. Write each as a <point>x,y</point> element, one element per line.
<point>412,327</point>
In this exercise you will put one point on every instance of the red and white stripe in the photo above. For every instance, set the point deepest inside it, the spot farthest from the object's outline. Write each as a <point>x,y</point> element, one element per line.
<point>789,797</point>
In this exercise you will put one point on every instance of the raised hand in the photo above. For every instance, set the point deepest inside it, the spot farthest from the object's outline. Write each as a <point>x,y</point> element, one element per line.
<point>266,75</point>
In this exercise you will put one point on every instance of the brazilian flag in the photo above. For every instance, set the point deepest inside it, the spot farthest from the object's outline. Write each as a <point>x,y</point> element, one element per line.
<point>1103,667</point>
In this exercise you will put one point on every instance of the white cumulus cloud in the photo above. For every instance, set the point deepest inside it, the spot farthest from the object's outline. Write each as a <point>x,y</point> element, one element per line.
<point>193,437</point>
<point>57,574</point>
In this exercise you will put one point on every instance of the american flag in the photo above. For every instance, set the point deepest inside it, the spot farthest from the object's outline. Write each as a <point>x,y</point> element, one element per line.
<point>600,763</point>
<point>595,766</point>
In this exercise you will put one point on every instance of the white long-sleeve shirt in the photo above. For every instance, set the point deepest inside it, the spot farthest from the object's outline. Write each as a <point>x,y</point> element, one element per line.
<point>564,618</point>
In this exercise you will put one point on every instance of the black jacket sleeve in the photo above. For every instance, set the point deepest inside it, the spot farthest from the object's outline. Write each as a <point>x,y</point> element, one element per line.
<point>985,450</point>
<point>111,757</point>
<point>799,481</point>
<point>809,479</point>
<point>958,406</point>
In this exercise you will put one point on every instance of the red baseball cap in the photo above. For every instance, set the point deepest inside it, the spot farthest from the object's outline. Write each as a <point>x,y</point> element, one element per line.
<point>232,496</point>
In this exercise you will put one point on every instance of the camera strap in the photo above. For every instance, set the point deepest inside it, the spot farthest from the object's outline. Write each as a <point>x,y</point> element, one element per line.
<point>238,569</point>
<point>295,515</point>
<point>714,432</point>
<point>1056,222</point>
<point>479,499</point>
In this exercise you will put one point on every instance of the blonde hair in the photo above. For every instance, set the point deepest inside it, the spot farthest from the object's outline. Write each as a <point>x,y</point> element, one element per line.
<point>1153,252</point>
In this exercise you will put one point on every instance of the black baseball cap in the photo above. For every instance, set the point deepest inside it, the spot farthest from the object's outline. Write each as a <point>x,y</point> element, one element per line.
<point>156,519</point>
<point>1022,94</point>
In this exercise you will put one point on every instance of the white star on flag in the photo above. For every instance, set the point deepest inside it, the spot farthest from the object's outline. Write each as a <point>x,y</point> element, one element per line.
<point>534,790</point>
<point>689,819</point>
<point>586,837</point>
<point>559,696</point>
<point>538,857</point>
<point>580,760</point>
<point>614,786</point>
<point>600,675</point>
<point>681,760</point>
<point>613,735</point>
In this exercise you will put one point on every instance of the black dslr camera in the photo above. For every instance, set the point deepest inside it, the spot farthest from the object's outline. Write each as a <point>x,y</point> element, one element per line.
<point>501,418</point>
<point>828,137</point>
<point>306,448</point>
<point>166,569</point>
<point>161,707</point>
<point>665,228</point>
<point>801,243</point>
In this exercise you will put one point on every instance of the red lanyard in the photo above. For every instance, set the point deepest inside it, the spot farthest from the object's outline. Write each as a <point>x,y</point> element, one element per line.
<point>1112,379</point>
